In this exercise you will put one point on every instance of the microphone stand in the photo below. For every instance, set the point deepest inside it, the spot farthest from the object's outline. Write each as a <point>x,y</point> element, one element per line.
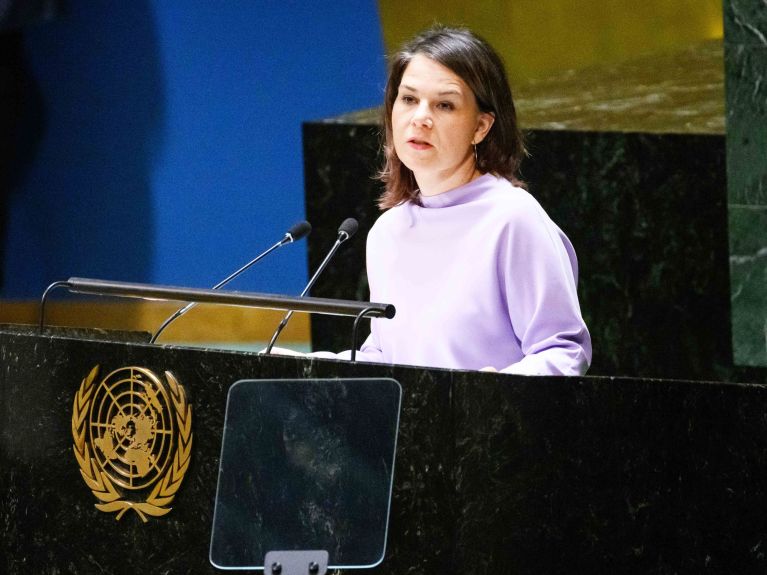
<point>342,237</point>
<point>223,282</point>
<point>296,232</point>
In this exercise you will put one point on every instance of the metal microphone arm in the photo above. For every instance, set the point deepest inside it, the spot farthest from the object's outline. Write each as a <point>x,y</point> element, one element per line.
<point>298,231</point>
<point>288,315</point>
<point>220,284</point>
<point>346,230</point>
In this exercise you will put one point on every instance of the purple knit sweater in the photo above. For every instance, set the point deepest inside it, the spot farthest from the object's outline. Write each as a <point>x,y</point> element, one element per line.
<point>480,276</point>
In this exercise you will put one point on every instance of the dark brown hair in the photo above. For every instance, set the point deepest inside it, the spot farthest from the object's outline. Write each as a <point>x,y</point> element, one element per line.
<point>476,63</point>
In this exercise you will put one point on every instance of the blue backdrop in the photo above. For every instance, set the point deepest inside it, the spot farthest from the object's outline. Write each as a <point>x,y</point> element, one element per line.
<point>170,137</point>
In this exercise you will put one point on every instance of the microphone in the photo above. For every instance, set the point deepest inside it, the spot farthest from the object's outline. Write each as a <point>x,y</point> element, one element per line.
<point>345,231</point>
<point>295,233</point>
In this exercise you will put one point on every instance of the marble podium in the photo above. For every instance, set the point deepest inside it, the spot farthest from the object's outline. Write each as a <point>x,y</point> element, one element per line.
<point>494,473</point>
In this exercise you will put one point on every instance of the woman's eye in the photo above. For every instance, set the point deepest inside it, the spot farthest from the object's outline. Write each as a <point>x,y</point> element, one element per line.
<point>408,99</point>
<point>446,106</point>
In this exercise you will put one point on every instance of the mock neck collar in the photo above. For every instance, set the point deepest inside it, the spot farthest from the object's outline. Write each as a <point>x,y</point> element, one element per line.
<point>460,195</point>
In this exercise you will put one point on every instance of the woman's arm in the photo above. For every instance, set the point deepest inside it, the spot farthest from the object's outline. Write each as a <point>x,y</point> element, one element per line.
<point>540,280</point>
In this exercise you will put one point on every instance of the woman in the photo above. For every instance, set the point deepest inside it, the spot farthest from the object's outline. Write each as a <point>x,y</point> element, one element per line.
<point>479,274</point>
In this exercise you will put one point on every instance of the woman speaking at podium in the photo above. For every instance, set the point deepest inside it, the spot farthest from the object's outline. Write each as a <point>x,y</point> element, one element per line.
<point>480,276</point>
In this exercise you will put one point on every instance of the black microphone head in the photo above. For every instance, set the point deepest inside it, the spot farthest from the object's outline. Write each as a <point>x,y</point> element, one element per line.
<point>299,231</point>
<point>348,228</point>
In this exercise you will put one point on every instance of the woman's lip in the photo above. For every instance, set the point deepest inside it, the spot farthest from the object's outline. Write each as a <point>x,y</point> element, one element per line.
<point>419,144</point>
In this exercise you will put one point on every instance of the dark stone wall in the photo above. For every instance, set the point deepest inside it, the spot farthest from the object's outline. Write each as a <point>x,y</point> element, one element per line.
<point>647,214</point>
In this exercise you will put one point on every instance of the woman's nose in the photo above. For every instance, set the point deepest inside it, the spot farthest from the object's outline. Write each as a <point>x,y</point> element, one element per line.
<point>422,116</point>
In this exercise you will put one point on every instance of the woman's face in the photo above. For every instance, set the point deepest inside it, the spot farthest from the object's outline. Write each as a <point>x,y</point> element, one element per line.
<point>435,122</point>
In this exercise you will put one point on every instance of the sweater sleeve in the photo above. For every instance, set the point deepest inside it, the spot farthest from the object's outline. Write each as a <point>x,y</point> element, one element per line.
<point>538,271</point>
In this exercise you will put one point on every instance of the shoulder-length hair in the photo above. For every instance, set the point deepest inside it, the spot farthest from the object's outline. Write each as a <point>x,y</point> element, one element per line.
<point>476,63</point>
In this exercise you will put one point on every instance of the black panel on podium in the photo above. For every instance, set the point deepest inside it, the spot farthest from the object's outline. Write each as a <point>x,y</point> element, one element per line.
<point>495,473</point>
<point>306,465</point>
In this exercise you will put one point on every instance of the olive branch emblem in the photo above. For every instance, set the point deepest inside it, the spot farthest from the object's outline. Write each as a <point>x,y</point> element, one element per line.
<point>99,481</point>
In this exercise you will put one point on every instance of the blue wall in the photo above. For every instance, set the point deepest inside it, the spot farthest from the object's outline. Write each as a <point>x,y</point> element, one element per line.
<point>171,137</point>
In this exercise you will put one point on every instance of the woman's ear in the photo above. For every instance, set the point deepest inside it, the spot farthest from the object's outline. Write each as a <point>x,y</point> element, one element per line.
<point>485,122</point>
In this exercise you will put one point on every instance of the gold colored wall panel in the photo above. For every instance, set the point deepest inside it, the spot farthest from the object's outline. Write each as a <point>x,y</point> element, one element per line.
<point>205,324</point>
<point>541,37</point>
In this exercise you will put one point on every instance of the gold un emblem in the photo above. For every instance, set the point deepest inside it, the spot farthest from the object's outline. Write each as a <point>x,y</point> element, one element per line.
<point>132,439</point>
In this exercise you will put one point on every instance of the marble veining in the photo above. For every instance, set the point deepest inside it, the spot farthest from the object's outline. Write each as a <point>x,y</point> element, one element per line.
<point>745,22</point>
<point>746,70</point>
<point>748,281</point>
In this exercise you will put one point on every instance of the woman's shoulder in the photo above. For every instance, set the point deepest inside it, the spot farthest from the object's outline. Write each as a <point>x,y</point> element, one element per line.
<point>393,219</point>
<point>511,201</point>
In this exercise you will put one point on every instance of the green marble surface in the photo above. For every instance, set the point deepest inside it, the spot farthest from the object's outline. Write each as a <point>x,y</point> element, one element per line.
<point>746,124</point>
<point>748,283</point>
<point>745,23</point>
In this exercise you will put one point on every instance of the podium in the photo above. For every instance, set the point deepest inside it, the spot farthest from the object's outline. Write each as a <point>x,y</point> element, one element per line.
<point>494,473</point>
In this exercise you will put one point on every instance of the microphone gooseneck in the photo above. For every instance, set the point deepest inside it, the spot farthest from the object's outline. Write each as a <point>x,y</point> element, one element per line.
<point>346,230</point>
<point>295,233</point>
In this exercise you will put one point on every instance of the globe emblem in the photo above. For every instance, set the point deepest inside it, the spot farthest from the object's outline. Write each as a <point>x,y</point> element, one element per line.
<point>131,427</point>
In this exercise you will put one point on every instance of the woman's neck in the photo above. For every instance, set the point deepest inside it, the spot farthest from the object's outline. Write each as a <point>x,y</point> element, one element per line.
<point>434,184</point>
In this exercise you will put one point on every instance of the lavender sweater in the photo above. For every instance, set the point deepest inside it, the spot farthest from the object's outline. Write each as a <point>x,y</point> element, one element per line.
<point>480,276</point>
